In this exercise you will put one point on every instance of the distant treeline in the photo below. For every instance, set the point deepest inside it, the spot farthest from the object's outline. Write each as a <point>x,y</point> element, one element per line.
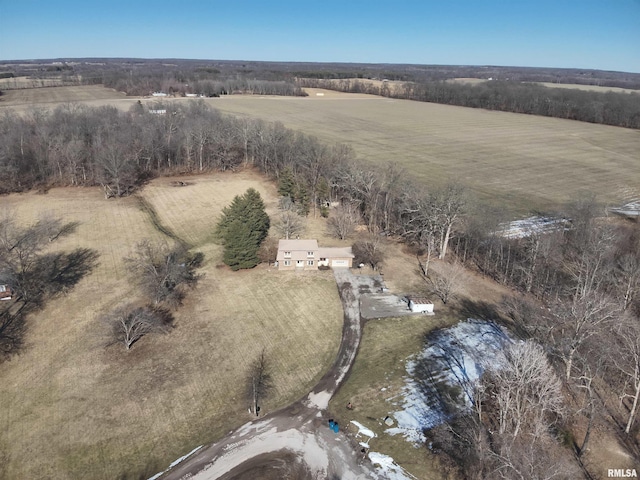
<point>199,82</point>
<point>609,108</point>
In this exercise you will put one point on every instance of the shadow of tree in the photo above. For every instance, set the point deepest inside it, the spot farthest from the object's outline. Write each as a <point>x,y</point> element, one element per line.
<point>50,275</point>
<point>480,310</point>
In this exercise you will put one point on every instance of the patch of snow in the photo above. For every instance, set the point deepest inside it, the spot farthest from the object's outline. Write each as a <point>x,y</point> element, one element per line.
<point>175,462</point>
<point>450,365</point>
<point>631,209</point>
<point>529,226</point>
<point>362,430</point>
<point>387,467</point>
<point>319,400</point>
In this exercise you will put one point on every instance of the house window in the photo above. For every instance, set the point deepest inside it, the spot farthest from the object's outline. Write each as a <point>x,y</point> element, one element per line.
<point>323,259</point>
<point>287,254</point>
<point>309,254</point>
<point>310,263</point>
<point>287,263</point>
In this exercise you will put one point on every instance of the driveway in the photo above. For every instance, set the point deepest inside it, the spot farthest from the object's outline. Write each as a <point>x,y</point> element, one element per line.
<point>300,429</point>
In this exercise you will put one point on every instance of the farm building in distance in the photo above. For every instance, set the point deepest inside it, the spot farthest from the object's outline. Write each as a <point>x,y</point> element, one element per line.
<point>306,255</point>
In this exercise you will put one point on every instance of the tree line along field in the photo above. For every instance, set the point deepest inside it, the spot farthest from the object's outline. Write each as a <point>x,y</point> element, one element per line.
<point>76,407</point>
<point>519,162</point>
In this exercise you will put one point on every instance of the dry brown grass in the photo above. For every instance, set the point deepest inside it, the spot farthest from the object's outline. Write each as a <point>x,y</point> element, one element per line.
<point>50,97</point>
<point>75,408</point>
<point>520,162</point>
<point>589,88</point>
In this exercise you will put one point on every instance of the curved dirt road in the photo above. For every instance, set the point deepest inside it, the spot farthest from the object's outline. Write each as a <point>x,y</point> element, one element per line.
<point>299,430</point>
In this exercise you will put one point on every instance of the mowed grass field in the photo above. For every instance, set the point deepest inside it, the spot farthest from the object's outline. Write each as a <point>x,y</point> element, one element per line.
<point>519,162</point>
<point>76,407</point>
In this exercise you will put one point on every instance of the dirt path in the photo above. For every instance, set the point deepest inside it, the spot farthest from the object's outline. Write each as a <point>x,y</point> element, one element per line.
<point>299,431</point>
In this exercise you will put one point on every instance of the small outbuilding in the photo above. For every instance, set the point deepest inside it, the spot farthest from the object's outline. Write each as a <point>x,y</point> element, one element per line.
<point>5,292</point>
<point>420,305</point>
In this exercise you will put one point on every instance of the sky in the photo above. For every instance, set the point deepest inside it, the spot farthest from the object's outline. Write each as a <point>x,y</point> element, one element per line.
<point>598,34</point>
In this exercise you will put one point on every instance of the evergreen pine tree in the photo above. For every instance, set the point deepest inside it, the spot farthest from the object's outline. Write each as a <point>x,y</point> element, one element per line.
<point>286,184</point>
<point>241,229</point>
<point>302,200</point>
<point>323,194</point>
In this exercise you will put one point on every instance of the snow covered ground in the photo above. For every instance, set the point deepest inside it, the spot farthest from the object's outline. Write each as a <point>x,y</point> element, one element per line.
<point>631,209</point>
<point>447,368</point>
<point>387,468</point>
<point>530,226</point>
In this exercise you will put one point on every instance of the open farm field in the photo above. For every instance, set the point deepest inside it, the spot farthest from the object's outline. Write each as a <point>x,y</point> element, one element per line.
<point>75,407</point>
<point>589,88</point>
<point>576,86</point>
<point>28,82</point>
<point>50,97</point>
<point>519,162</point>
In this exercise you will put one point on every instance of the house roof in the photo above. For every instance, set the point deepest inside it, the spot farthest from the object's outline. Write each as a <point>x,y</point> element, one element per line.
<point>420,300</point>
<point>299,249</point>
<point>293,245</point>
<point>335,252</point>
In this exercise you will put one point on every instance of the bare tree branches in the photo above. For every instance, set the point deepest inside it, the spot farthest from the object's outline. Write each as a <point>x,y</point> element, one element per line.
<point>526,391</point>
<point>162,273</point>
<point>369,251</point>
<point>129,324</point>
<point>289,223</point>
<point>259,382</point>
<point>446,283</point>
<point>343,223</point>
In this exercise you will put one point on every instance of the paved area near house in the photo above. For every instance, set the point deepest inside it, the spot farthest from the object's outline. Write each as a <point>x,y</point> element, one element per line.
<point>383,305</point>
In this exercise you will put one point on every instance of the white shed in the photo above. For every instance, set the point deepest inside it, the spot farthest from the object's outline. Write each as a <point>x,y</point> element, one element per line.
<point>421,305</point>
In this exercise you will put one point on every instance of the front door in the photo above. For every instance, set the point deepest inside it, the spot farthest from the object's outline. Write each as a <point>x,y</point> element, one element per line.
<point>299,263</point>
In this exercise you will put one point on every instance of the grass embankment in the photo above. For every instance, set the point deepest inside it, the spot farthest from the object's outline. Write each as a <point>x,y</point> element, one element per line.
<point>75,407</point>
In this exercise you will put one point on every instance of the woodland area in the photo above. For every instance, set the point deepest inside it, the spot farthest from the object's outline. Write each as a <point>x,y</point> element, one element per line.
<point>575,288</point>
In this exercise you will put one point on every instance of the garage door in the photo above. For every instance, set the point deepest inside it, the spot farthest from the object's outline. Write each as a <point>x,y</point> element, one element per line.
<point>339,263</point>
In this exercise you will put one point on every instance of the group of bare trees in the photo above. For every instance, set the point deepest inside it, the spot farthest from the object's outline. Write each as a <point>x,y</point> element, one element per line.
<point>163,275</point>
<point>579,298</point>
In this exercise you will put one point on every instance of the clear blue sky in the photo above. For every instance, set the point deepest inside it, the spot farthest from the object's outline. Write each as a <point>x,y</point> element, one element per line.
<point>603,34</point>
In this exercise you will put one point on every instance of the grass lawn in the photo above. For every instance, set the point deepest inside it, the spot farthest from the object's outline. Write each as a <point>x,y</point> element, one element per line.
<point>74,407</point>
<point>376,381</point>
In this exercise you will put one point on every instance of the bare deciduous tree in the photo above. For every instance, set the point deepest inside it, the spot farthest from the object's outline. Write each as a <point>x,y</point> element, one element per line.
<point>628,277</point>
<point>129,324</point>
<point>626,360</point>
<point>449,205</point>
<point>289,223</point>
<point>343,223</point>
<point>259,382</point>
<point>526,391</point>
<point>162,272</point>
<point>578,321</point>
<point>446,283</point>
<point>369,251</point>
